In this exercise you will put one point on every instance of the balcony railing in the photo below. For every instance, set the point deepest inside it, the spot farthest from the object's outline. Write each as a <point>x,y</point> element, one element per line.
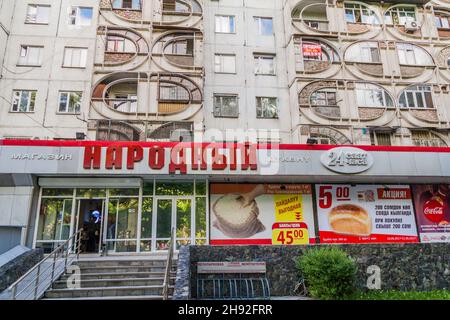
<point>123,105</point>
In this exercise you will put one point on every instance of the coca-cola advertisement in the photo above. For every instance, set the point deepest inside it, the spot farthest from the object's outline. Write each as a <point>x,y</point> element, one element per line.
<point>432,202</point>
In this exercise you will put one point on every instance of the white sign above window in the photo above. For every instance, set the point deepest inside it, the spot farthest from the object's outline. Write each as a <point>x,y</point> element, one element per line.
<point>347,160</point>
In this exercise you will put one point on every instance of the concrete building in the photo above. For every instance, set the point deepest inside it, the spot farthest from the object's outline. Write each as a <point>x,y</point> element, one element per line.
<point>369,73</point>
<point>135,77</point>
<point>47,69</point>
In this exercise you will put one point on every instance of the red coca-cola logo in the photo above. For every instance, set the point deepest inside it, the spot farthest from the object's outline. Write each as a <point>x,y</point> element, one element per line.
<point>434,210</point>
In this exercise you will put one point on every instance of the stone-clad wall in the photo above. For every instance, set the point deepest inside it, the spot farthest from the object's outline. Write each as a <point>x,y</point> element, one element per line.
<point>13,270</point>
<point>403,266</point>
<point>182,284</point>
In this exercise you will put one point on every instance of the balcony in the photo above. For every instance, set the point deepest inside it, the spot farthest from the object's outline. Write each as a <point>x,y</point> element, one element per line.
<point>177,51</point>
<point>320,98</point>
<point>139,95</point>
<point>312,16</point>
<point>124,49</point>
<point>185,13</point>
<point>125,10</point>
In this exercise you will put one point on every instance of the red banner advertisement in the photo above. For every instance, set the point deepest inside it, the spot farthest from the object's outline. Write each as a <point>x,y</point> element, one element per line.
<point>432,203</point>
<point>365,214</point>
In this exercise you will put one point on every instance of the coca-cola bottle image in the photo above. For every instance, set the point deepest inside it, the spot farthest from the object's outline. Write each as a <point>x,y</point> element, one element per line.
<point>435,204</point>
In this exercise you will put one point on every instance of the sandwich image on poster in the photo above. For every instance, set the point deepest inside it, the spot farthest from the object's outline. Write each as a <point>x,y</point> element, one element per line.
<point>365,214</point>
<point>261,214</point>
<point>432,203</point>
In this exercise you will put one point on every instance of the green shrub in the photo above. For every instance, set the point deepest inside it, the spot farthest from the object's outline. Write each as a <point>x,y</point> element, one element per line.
<point>328,271</point>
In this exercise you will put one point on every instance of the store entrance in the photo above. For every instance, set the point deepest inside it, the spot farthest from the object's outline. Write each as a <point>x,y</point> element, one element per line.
<point>90,217</point>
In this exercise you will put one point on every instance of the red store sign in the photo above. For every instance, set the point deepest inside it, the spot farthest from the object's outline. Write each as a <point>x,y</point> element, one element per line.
<point>202,157</point>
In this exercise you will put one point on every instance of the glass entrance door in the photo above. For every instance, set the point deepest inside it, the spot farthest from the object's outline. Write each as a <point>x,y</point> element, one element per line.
<point>90,217</point>
<point>173,212</point>
<point>164,208</point>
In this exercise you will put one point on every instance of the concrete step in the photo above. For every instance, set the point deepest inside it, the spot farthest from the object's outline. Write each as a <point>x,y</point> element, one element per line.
<point>122,282</point>
<point>114,298</point>
<point>121,269</point>
<point>154,290</point>
<point>120,263</point>
<point>116,275</point>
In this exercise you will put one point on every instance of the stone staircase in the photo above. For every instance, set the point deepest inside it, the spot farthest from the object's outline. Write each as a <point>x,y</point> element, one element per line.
<point>115,278</point>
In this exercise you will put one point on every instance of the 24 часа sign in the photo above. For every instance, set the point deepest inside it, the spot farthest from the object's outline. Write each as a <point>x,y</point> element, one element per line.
<point>365,214</point>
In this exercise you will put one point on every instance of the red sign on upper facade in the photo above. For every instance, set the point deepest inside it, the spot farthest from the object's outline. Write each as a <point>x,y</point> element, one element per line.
<point>233,157</point>
<point>312,50</point>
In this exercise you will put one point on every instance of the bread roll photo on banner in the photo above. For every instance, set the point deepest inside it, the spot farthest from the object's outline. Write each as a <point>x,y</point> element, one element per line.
<point>237,214</point>
<point>351,220</point>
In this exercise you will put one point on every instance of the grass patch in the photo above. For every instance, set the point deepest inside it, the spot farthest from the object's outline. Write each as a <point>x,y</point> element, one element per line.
<point>401,295</point>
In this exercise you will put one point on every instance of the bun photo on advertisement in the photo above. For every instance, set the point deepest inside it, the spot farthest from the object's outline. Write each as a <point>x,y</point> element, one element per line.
<point>364,213</point>
<point>350,219</point>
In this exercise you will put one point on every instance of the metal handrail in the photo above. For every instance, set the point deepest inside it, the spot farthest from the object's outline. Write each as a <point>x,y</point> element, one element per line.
<point>73,242</point>
<point>169,261</point>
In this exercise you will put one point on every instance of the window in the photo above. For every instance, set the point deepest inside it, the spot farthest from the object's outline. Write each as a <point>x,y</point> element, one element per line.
<point>75,57</point>
<point>264,26</point>
<point>70,102</point>
<point>80,16</point>
<point>168,92</point>
<point>182,47</point>
<point>322,139</point>
<point>225,24</point>
<point>364,52</point>
<point>115,44</point>
<point>30,56</point>
<point>23,101</point>
<point>409,54</point>
<point>225,63</point>
<point>400,15</point>
<point>264,64</point>
<point>266,108</point>
<point>370,95</point>
<point>38,14</point>
<point>324,97</point>
<point>417,97</point>
<point>357,13</point>
<point>127,4</point>
<point>226,106</point>
<point>442,22</point>
<point>424,138</point>
<point>370,52</point>
<point>378,138</point>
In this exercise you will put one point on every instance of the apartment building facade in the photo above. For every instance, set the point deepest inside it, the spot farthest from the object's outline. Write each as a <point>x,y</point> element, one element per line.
<point>344,86</point>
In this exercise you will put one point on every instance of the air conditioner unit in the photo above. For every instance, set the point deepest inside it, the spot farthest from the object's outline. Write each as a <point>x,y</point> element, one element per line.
<point>411,26</point>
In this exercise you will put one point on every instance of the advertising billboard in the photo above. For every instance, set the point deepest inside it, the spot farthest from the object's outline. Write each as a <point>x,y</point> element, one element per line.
<point>432,203</point>
<point>261,214</point>
<point>365,214</point>
<point>312,50</point>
